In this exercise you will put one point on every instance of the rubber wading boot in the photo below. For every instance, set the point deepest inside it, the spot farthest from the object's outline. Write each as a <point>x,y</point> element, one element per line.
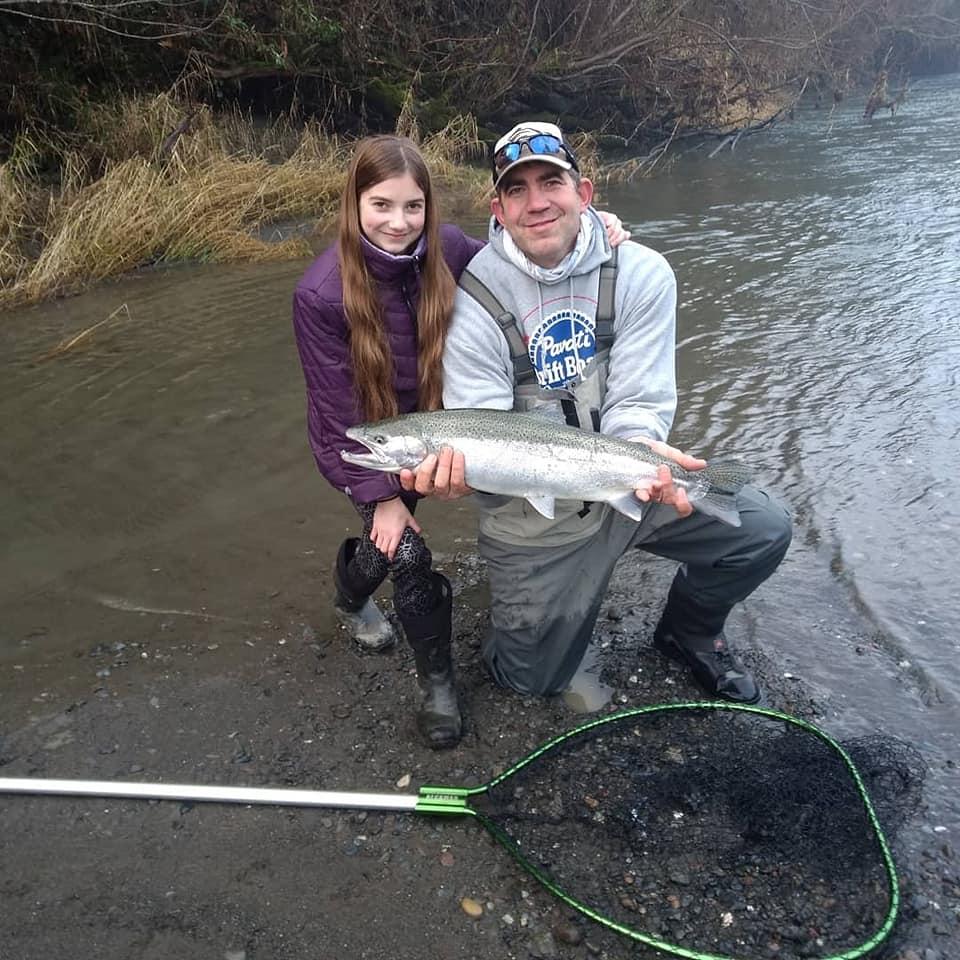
<point>438,718</point>
<point>356,610</point>
<point>693,635</point>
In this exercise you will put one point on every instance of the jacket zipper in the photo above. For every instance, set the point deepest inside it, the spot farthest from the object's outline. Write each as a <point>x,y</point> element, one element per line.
<point>405,293</point>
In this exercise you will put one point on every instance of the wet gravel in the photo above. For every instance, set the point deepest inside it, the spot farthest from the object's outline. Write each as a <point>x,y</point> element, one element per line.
<point>285,703</point>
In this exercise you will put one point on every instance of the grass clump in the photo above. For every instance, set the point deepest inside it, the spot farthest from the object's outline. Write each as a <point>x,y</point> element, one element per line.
<point>151,180</point>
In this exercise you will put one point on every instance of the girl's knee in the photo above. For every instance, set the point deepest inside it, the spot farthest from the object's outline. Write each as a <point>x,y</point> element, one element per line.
<point>412,554</point>
<point>369,559</point>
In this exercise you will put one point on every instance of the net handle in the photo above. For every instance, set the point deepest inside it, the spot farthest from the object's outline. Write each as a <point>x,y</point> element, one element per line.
<point>283,796</point>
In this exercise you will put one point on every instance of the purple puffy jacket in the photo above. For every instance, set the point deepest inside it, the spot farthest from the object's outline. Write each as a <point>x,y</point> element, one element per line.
<point>323,341</point>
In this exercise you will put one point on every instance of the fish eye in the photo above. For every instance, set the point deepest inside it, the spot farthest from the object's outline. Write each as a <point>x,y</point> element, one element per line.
<point>379,438</point>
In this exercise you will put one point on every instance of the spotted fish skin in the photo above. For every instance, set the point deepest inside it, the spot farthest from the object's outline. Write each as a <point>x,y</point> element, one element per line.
<point>527,456</point>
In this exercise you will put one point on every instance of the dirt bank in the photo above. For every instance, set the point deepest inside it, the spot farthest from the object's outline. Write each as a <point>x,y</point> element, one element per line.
<point>274,695</point>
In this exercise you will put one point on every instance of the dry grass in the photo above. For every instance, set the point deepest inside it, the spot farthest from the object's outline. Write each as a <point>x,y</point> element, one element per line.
<point>449,153</point>
<point>83,337</point>
<point>13,217</point>
<point>154,180</point>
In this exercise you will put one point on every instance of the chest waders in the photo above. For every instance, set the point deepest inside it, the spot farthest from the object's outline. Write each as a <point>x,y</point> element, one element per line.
<point>580,402</point>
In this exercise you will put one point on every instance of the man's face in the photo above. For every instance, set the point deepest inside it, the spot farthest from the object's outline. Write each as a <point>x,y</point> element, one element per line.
<point>539,205</point>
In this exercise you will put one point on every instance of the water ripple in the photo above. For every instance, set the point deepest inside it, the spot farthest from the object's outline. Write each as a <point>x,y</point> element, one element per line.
<point>819,331</point>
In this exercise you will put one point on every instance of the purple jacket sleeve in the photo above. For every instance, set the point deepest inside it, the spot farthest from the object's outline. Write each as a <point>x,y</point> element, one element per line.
<point>321,334</point>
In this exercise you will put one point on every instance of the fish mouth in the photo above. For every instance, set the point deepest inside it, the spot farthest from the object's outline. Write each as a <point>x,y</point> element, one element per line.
<point>373,459</point>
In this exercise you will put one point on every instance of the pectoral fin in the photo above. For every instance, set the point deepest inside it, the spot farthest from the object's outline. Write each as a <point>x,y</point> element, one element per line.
<point>629,506</point>
<point>543,505</point>
<point>723,506</point>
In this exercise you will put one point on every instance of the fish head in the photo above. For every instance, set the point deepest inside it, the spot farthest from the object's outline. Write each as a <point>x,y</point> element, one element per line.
<point>391,447</point>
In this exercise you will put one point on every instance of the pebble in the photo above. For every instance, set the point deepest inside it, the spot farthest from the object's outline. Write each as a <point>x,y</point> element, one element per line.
<point>569,933</point>
<point>471,908</point>
<point>543,946</point>
<point>447,859</point>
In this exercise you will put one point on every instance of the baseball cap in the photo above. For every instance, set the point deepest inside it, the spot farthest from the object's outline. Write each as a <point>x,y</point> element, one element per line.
<point>532,140</point>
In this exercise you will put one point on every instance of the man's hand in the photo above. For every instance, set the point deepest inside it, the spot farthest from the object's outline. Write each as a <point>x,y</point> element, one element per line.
<point>390,519</point>
<point>440,476</point>
<point>663,489</point>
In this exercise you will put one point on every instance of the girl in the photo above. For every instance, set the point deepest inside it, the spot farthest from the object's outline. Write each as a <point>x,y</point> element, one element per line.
<point>370,316</point>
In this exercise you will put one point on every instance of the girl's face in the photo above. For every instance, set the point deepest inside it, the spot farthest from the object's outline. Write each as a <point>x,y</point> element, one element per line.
<point>392,213</point>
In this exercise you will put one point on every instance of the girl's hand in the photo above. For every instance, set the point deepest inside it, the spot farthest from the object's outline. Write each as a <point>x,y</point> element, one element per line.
<point>616,231</point>
<point>390,519</point>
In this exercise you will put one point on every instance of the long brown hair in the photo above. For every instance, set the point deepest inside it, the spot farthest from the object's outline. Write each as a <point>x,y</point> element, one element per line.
<point>377,159</point>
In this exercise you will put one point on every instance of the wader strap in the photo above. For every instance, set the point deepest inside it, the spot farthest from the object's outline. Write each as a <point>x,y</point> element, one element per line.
<point>522,368</point>
<point>606,292</point>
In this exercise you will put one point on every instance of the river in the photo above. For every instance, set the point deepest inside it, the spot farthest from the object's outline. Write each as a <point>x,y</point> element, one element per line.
<point>818,339</point>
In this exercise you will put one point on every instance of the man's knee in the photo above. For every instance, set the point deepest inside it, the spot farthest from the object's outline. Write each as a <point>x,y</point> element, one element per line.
<point>769,527</point>
<point>778,527</point>
<point>530,660</point>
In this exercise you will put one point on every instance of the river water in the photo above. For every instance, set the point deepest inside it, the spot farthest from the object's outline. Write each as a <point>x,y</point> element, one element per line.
<point>819,306</point>
<point>820,339</point>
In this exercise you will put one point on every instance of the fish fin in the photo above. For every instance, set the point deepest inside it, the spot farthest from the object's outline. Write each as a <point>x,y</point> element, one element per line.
<point>542,504</point>
<point>723,506</point>
<point>629,506</point>
<point>725,476</point>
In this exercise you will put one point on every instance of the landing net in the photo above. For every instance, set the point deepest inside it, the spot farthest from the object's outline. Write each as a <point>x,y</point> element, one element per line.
<point>713,830</point>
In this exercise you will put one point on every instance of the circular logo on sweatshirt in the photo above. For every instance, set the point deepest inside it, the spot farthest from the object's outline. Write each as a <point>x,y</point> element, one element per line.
<point>561,346</point>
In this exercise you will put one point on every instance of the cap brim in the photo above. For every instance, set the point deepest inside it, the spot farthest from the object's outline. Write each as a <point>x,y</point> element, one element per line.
<point>527,158</point>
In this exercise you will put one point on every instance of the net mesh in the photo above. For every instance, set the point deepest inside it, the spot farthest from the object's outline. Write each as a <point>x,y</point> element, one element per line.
<point>728,833</point>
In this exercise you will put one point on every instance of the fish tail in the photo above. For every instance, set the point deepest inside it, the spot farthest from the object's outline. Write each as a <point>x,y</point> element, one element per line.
<point>725,476</point>
<point>713,490</point>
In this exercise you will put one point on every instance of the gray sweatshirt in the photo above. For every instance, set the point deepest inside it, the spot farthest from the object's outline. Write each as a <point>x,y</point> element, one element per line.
<point>556,309</point>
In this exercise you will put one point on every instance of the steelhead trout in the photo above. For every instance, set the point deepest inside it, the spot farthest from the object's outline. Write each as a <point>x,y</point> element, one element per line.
<point>542,461</point>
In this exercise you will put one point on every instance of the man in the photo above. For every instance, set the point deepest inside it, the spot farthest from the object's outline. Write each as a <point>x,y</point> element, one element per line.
<point>534,298</point>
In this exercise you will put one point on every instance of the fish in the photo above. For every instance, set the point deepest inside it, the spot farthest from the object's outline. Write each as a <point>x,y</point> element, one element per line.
<point>542,461</point>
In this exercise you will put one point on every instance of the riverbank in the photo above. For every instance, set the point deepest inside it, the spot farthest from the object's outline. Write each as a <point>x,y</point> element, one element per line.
<point>159,180</point>
<point>165,601</point>
<point>150,181</point>
<point>259,689</point>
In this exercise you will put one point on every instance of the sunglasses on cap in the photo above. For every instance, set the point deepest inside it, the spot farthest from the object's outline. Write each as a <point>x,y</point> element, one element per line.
<point>539,145</point>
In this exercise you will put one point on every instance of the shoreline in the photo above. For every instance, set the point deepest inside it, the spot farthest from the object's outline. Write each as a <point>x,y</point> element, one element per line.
<point>289,702</point>
<point>223,190</point>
